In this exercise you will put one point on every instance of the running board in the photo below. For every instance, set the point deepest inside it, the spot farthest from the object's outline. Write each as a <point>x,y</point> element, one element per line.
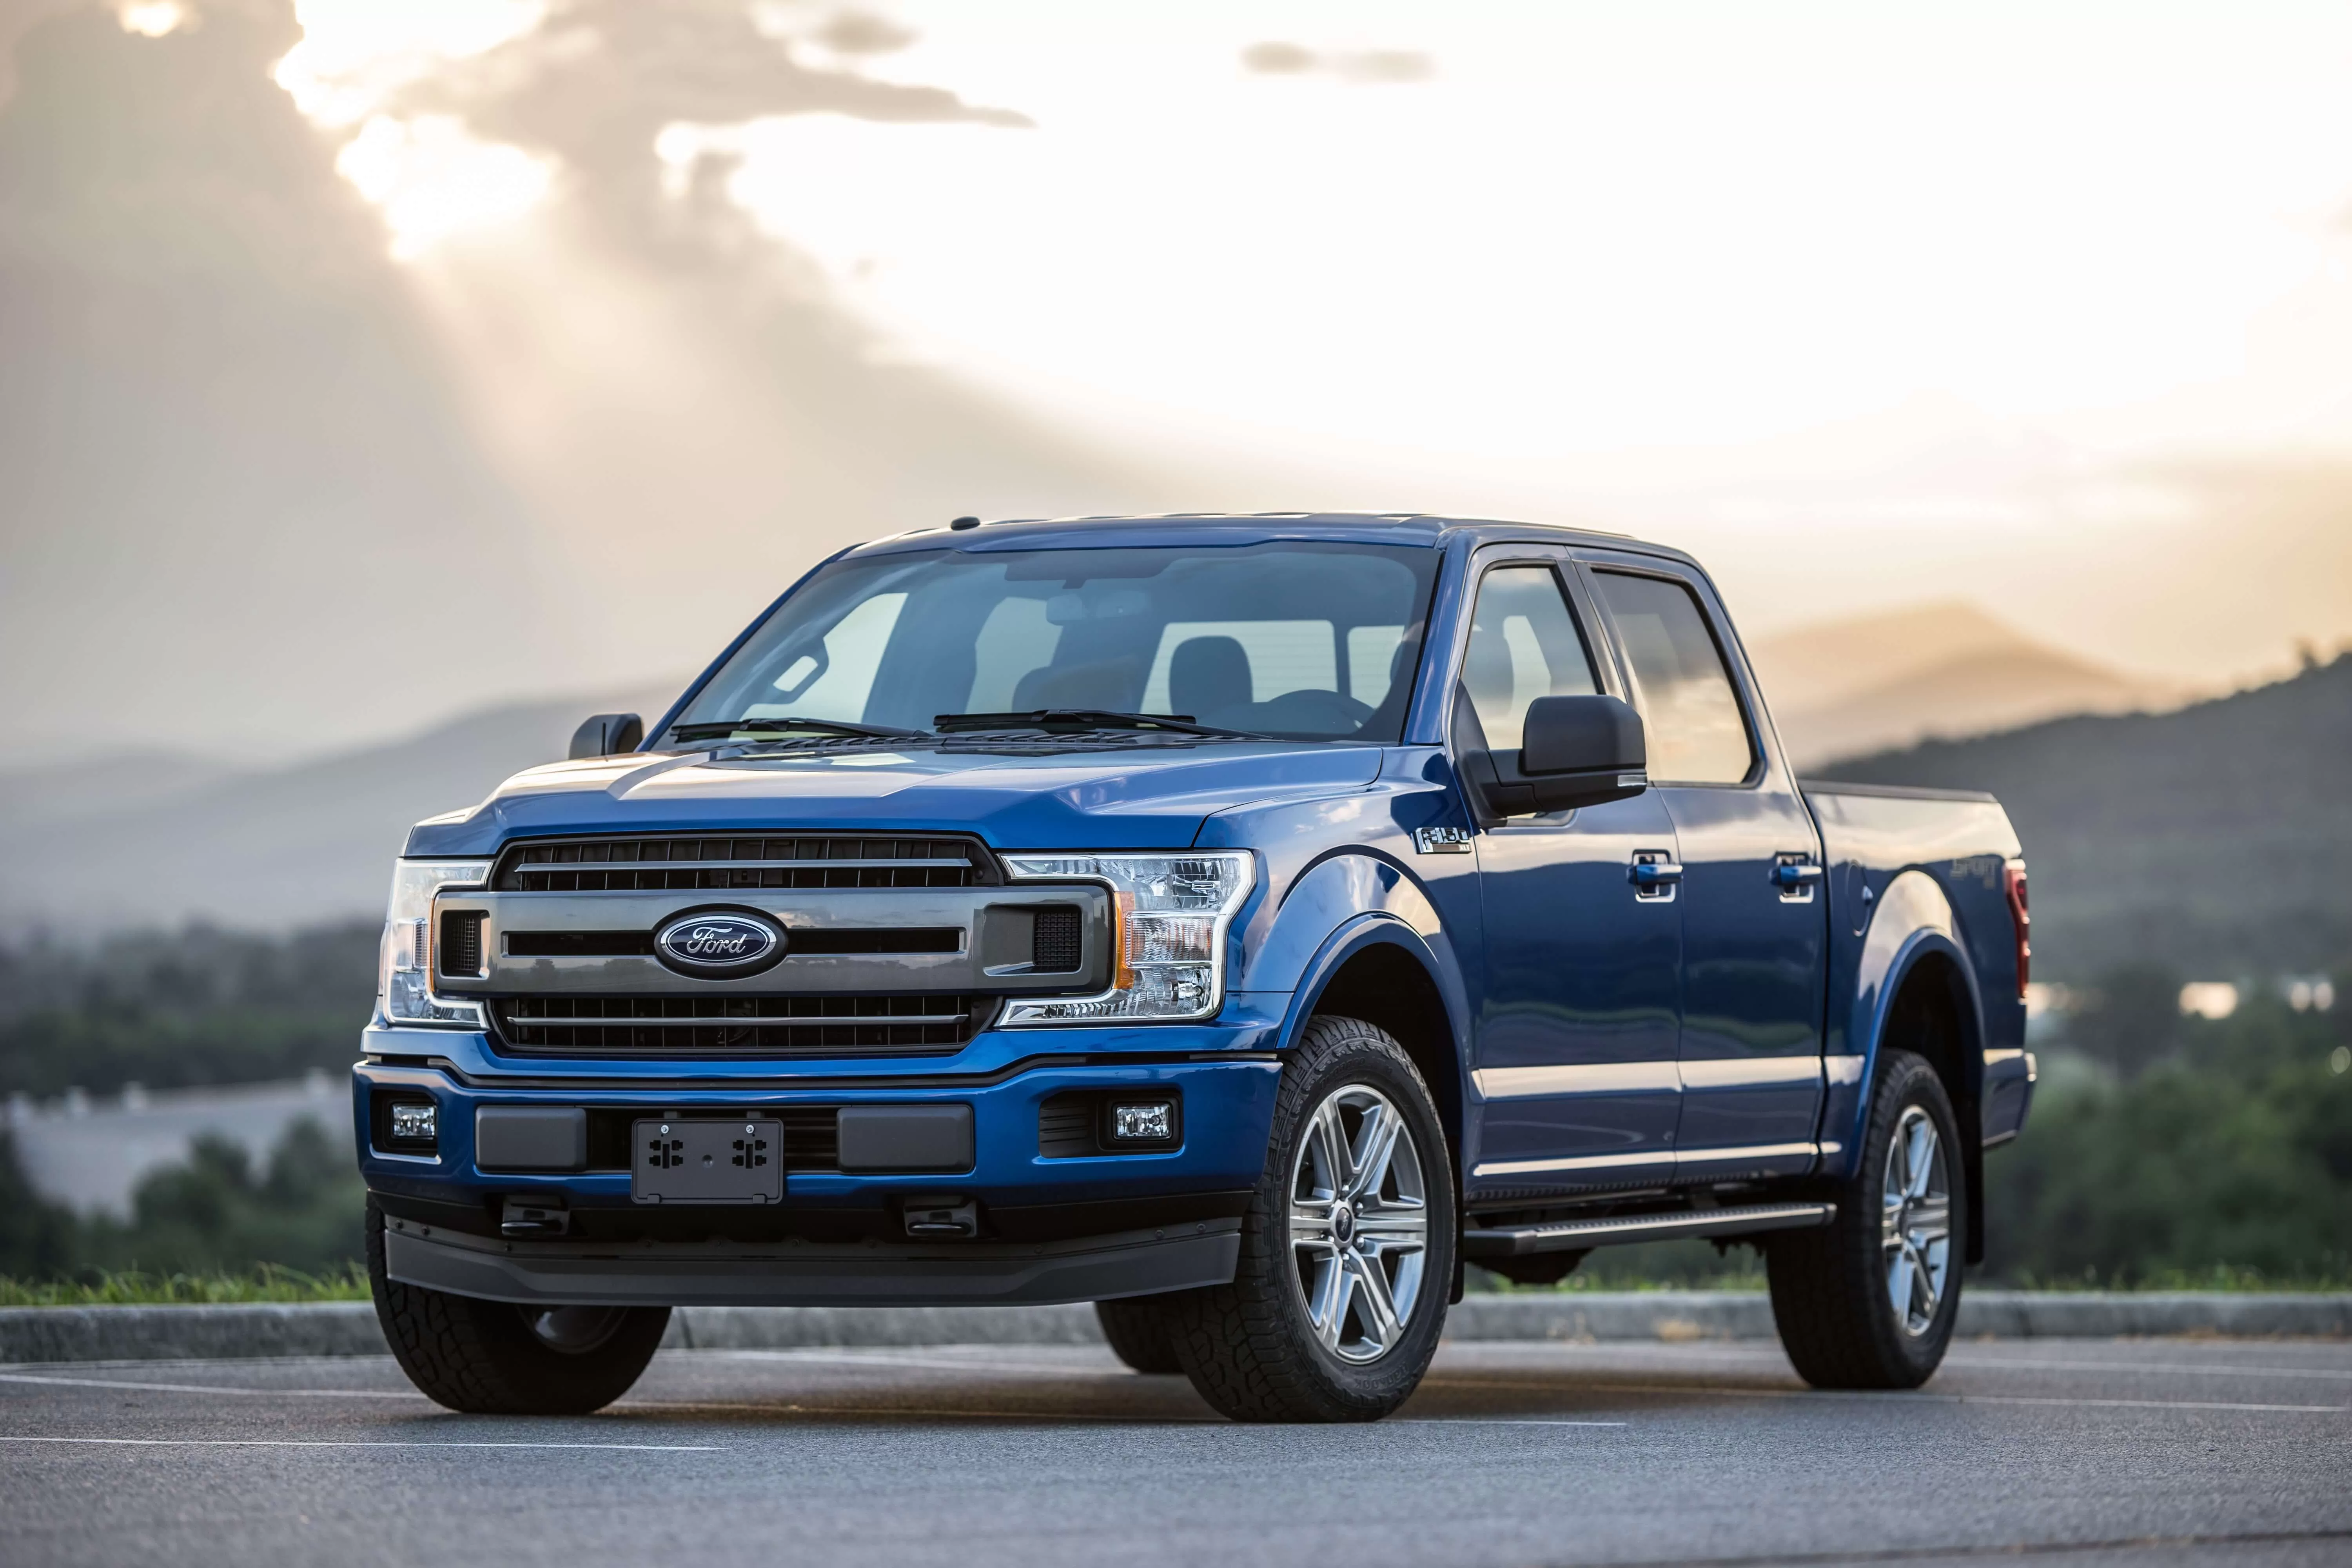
<point>1567,1234</point>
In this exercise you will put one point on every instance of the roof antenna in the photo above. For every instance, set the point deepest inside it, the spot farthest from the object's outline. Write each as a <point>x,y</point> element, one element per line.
<point>961,523</point>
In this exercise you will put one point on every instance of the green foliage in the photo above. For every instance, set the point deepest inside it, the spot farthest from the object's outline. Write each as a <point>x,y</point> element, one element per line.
<point>2226,1158</point>
<point>216,1217</point>
<point>266,1282</point>
<point>197,1006</point>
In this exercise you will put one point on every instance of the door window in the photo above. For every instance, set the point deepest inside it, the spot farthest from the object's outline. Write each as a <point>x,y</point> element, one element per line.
<point>1523,645</point>
<point>1696,733</point>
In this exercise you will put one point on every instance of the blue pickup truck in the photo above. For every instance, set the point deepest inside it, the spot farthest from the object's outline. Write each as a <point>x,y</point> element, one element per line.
<point>1241,922</point>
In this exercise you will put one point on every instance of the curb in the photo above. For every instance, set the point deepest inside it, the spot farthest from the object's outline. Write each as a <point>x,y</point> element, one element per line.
<point>32,1334</point>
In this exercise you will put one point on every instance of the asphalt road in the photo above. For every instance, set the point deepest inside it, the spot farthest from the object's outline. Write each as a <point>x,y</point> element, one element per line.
<point>2151,1452</point>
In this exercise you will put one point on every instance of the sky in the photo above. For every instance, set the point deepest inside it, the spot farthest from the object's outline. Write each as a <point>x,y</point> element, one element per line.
<point>2047,307</point>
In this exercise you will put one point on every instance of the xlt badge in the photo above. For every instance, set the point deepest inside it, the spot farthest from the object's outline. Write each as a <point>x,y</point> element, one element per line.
<point>719,946</point>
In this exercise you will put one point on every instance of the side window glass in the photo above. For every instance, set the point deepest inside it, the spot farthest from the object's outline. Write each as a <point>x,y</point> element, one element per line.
<point>1523,645</point>
<point>1696,731</point>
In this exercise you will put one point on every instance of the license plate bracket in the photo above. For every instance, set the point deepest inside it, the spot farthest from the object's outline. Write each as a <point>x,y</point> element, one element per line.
<point>707,1161</point>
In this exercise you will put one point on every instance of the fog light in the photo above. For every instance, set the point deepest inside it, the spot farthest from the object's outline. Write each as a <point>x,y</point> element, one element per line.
<point>415,1124</point>
<point>1143,1121</point>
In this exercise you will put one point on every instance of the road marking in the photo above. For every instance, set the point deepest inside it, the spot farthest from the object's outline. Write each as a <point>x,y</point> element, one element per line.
<point>1489,1421</point>
<point>213,1388</point>
<point>935,1364</point>
<point>329,1443</point>
<point>886,1412</point>
<point>2317,1372</point>
<point>1910,1397</point>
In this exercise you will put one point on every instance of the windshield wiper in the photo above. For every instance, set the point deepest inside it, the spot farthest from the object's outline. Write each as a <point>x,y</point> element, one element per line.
<point>1075,721</point>
<point>722,729</point>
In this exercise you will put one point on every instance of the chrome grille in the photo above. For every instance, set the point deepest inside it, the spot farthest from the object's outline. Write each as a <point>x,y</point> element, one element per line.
<point>740,1026</point>
<point>716,864</point>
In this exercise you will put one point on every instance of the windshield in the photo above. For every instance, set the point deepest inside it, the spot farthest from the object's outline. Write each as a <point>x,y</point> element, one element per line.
<point>1295,640</point>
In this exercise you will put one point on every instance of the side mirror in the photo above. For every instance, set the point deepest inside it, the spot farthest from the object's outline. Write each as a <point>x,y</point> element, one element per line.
<point>1574,751</point>
<point>605,734</point>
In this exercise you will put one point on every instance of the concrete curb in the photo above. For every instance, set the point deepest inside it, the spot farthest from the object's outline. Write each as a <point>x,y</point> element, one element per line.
<point>33,1334</point>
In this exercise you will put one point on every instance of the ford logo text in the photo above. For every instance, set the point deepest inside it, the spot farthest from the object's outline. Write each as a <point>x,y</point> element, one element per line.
<point>719,946</point>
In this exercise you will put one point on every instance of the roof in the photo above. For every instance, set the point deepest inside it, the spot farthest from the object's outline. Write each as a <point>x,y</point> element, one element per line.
<point>1236,528</point>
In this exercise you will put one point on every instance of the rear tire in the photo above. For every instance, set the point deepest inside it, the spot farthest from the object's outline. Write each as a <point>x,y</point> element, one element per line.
<point>1139,1335</point>
<point>1347,1249</point>
<point>495,1358</point>
<point>1900,1218</point>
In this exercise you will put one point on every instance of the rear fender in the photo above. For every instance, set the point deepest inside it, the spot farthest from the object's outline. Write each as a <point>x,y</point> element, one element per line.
<point>1912,923</point>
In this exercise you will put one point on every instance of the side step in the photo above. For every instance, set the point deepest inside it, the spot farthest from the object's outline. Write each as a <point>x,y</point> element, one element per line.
<point>1564,1236</point>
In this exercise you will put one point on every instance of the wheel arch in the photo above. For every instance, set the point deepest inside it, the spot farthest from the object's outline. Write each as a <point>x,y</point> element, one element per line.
<point>1918,992</point>
<point>1379,970</point>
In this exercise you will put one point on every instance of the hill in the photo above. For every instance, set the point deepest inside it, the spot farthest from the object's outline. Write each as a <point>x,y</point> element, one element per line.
<point>1853,686</point>
<point>265,848</point>
<point>2214,839</point>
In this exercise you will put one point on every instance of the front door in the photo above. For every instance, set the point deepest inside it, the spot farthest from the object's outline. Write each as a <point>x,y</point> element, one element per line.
<point>1754,917</point>
<point>1575,1067</point>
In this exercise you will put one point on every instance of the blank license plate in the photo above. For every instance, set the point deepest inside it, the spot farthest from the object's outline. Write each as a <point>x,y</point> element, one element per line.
<point>706,1161</point>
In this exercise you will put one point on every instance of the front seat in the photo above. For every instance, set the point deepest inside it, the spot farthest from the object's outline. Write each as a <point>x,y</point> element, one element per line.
<point>1207,676</point>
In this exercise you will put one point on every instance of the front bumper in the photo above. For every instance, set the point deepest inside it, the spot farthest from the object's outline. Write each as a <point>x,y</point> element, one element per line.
<point>1051,1228</point>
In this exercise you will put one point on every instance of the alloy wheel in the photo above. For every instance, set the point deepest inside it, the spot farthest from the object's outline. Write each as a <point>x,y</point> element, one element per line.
<point>1358,1223</point>
<point>1915,1229</point>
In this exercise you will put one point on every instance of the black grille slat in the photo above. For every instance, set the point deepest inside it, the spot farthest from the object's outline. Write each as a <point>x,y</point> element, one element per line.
<point>724,864</point>
<point>740,1026</point>
<point>1055,946</point>
<point>819,942</point>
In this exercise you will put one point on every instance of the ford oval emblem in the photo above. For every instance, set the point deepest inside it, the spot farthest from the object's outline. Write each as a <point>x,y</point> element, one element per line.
<point>719,946</point>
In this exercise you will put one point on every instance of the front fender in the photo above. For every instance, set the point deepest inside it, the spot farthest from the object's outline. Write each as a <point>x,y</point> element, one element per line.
<point>1334,911</point>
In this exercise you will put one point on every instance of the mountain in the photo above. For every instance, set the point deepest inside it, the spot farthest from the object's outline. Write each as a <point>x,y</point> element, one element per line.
<point>178,838</point>
<point>2214,839</point>
<point>1853,686</point>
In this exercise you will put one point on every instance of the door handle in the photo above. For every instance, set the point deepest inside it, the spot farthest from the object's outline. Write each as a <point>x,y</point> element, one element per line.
<point>1653,872</point>
<point>1794,874</point>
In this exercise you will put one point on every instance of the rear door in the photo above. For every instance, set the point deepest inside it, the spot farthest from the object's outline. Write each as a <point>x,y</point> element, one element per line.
<point>1576,1033</point>
<point>1754,914</point>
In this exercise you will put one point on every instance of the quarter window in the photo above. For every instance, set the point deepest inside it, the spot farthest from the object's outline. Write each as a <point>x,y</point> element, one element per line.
<point>1523,645</point>
<point>1696,734</point>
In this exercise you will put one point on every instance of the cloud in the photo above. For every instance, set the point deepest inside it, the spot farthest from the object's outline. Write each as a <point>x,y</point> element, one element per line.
<point>1366,68</point>
<point>863,33</point>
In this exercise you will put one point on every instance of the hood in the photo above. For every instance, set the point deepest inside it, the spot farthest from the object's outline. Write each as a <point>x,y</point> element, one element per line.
<point>1145,798</point>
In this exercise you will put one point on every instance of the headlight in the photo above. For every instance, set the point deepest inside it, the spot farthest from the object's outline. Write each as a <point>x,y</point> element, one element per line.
<point>1168,932</point>
<point>403,989</point>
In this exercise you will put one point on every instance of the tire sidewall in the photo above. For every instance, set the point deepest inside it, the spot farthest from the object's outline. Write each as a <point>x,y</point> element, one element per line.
<point>1908,1082</point>
<point>1365,1056</point>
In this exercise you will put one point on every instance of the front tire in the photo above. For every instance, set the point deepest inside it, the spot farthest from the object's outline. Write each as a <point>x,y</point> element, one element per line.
<point>1347,1250</point>
<point>495,1358</point>
<point>1138,1330</point>
<point>1869,1300</point>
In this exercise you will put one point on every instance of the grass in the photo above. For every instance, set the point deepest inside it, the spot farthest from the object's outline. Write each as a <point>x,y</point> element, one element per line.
<point>265,1283</point>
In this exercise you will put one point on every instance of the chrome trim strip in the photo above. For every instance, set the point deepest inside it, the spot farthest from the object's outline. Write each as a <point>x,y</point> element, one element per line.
<point>735,1020</point>
<point>1583,1162</point>
<point>1842,1069</point>
<point>1749,1072</point>
<point>1594,1077</point>
<point>1748,1152</point>
<point>1995,1057</point>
